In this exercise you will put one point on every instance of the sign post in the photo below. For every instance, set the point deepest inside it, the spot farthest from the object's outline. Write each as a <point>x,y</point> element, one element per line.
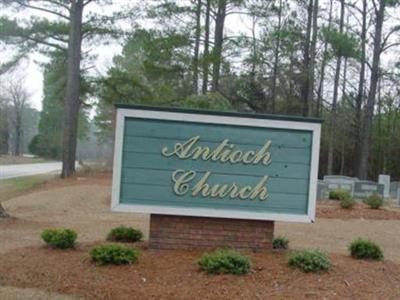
<point>213,179</point>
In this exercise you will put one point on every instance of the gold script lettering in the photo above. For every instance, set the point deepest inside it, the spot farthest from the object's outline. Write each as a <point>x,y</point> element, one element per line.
<point>181,180</point>
<point>224,152</point>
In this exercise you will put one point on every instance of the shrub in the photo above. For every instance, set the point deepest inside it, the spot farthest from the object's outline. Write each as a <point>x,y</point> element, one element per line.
<point>125,234</point>
<point>347,203</point>
<point>365,249</point>
<point>59,237</point>
<point>280,242</point>
<point>225,261</point>
<point>374,201</point>
<point>310,261</point>
<point>114,254</point>
<point>339,194</point>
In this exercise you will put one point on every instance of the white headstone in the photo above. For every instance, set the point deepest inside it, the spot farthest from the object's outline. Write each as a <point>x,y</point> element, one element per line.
<point>385,180</point>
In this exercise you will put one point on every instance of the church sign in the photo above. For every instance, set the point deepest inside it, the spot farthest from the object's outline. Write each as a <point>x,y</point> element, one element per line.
<point>215,164</point>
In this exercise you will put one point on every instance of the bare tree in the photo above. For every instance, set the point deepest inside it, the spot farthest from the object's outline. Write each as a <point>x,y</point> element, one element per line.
<point>17,98</point>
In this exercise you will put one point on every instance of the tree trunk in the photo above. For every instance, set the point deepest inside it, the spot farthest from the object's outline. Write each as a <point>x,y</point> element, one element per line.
<point>311,73</point>
<point>18,131</point>
<point>196,49</point>
<point>368,118</point>
<point>3,213</point>
<point>332,133</point>
<point>206,58</point>
<point>360,94</point>
<point>304,88</point>
<point>72,102</point>
<point>276,59</point>
<point>218,40</point>
<point>320,91</point>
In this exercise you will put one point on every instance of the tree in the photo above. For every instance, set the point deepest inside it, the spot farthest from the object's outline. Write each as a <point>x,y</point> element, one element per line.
<point>379,9</point>
<point>72,90</point>
<point>64,31</point>
<point>197,48</point>
<point>18,99</point>
<point>49,140</point>
<point>332,124</point>
<point>206,57</point>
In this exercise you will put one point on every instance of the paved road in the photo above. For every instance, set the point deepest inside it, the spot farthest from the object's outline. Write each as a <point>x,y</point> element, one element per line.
<point>12,171</point>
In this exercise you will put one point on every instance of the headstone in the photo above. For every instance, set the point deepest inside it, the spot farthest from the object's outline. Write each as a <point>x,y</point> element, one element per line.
<point>322,190</point>
<point>336,182</point>
<point>398,196</point>
<point>340,179</point>
<point>366,188</point>
<point>394,187</point>
<point>385,180</point>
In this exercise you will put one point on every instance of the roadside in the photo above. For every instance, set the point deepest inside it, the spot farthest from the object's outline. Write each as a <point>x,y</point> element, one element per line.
<point>14,160</point>
<point>14,187</point>
<point>21,170</point>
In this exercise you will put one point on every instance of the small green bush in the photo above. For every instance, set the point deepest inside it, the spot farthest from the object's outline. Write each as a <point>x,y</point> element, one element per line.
<point>310,261</point>
<point>225,261</point>
<point>374,201</point>
<point>280,242</point>
<point>125,234</point>
<point>114,254</point>
<point>347,203</point>
<point>339,194</point>
<point>59,237</point>
<point>365,249</point>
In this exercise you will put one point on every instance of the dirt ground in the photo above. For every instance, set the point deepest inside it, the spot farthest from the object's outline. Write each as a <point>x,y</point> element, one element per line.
<point>82,203</point>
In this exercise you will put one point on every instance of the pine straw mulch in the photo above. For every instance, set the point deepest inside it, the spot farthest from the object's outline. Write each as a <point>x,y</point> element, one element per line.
<point>331,209</point>
<point>175,275</point>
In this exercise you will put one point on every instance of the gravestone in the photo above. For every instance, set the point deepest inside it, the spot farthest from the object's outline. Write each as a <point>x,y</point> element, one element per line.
<point>322,190</point>
<point>336,182</point>
<point>398,196</point>
<point>385,180</point>
<point>394,187</point>
<point>367,188</point>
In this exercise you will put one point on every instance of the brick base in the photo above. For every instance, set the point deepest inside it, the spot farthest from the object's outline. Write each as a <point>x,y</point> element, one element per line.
<point>202,233</point>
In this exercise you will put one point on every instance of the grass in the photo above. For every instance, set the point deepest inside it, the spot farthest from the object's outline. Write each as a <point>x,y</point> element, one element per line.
<point>13,187</point>
<point>15,160</point>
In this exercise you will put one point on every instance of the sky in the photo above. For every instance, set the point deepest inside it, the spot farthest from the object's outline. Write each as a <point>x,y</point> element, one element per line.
<point>30,68</point>
<point>32,71</point>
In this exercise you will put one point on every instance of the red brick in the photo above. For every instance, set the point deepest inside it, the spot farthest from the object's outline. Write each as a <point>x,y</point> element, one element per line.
<point>202,233</point>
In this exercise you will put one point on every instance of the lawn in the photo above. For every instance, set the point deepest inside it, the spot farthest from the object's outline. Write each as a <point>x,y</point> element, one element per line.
<point>13,187</point>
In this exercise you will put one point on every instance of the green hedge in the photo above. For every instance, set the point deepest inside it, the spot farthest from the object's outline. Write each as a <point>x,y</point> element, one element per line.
<point>59,237</point>
<point>125,234</point>
<point>225,261</point>
<point>310,261</point>
<point>280,242</point>
<point>365,249</point>
<point>374,201</point>
<point>114,254</point>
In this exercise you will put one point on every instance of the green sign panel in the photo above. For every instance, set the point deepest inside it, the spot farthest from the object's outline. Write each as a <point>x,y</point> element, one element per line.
<point>230,165</point>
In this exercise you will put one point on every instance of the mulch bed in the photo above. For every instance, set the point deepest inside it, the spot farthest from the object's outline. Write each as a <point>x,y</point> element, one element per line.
<point>175,275</point>
<point>331,209</point>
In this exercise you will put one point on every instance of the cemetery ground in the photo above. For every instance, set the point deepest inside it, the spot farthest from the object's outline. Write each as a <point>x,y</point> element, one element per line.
<point>28,269</point>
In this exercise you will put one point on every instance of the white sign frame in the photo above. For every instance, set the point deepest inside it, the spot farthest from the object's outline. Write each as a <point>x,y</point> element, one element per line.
<point>123,113</point>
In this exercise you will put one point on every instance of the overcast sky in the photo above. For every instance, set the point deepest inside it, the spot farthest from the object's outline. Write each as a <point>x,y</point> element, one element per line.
<point>31,70</point>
